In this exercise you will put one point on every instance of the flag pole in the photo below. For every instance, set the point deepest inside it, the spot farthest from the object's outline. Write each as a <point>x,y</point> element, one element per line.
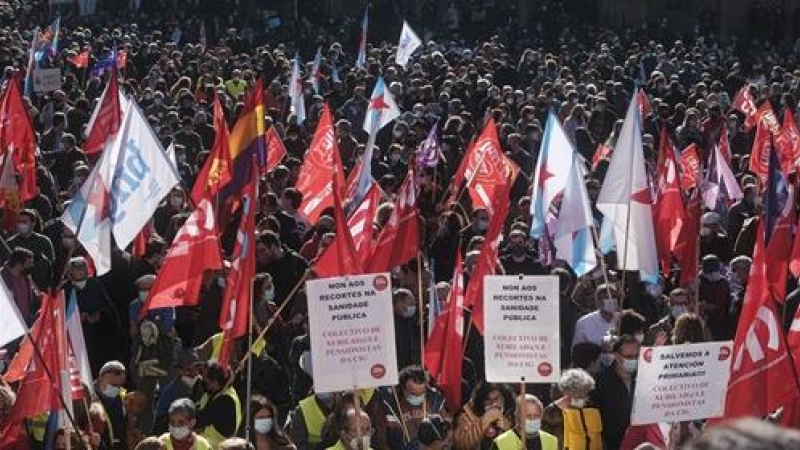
<point>420,268</point>
<point>357,404</point>
<point>249,388</point>
<point>522,406</point>
<point>603,266</point>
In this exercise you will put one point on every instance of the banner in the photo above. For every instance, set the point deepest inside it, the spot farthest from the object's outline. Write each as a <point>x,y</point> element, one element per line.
<point>521,324</point>
<point>678,383</point>
<point>46,80</point>
<point>351,326</point>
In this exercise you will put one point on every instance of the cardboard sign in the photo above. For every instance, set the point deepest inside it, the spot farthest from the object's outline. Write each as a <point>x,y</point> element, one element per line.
<point>351,326</point>
<point>684,382</point>
<point>522,339</point>
<point>46,80</point>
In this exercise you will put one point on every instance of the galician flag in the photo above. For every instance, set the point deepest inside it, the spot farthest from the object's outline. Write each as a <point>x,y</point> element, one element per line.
<point>409,41</point>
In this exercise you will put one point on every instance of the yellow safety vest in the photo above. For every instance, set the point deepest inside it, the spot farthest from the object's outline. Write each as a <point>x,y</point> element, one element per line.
<point>122,394</point>
<point>582,429</point>
<point>314,418</point>
<point>216,346</point>
<point>210,432</point>
<point>511,441</point>
<point>37,426</point>
<point>200,443</point>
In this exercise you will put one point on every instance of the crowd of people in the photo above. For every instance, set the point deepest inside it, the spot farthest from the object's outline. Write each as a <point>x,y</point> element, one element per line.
<point>158,383</point>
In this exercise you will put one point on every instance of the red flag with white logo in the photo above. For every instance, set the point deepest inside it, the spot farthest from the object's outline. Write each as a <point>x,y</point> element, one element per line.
<point>276,151</point>
<point>106,118</point>
<point>668,208</point>
<point>17,136</point>
<point>746,105</point>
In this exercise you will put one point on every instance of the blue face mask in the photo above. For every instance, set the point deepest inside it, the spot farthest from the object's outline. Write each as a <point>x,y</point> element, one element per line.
<point>415,400</point>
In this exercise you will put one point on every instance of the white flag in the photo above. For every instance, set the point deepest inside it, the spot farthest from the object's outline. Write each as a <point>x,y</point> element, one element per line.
<point>13,325</point>
<point>409,41</point>
<point>625,199</point>
<point>298,105</point>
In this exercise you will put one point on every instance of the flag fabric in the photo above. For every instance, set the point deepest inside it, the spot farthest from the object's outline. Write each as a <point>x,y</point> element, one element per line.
<point>216,171</point>
<point>487,260</point>
<point>335,73</point>
<point>176,35</point>
<point>18,138</point>
<point>139,244</point>
<point>246,140</point>
<point>668,209</point>
<point>686,252</point>
<point>298,105</point>
<point>430,151</point>
<point>382,108</point>
<point>720,182</point>
<point>553,168</point>
<point>572,233</point>
<point>28,87</point>
<point>105,64</point>
<point>779,216</point>
<point>409,41</point>
<point>236,301</point>
<point>339,258</point>
<point>80,355</point>
<point>776,197</point>
<point>13,324</point>
<point>400,239</point>
<point>625,198</point>
<point>444,350</point>
<point>762,377</point>
<point>39,372</point>
<point>602,152</point>
<point>276,151</point>
<point>316,179</point>
<point>725,146</point>
<point>788,143</point>
<point>486,169</point>
<point>361,61</point>
<point>316,71</point>
<point>361,222</point>
<point>745,104</point>
<point>194,250</point>
<point>690,167</point>
<point>9,191</point>
<point>81,60</point>
<point>794,260</point>
<point>122,191</point>
<point>644,105</point>
<point>106,118</point>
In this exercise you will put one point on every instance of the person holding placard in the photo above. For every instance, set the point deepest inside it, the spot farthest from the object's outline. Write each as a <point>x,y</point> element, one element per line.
<point>615,387</point>
<point>660,333</point>
<point>535,438</point>
<point>354,429</point>
<point>400,412</point>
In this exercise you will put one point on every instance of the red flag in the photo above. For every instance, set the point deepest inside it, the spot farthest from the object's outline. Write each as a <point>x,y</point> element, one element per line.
<point>276,151</point>
<point>759,154</point>
<point>787,142</point>
<point>81,60</point>
<point>400,240</point>
<point>744,102</point>
<point>724,146</point>
<point>444,350</point>
<point>487,168</point>
<point>216,172</point>
<point>794,261</point>
<point>487,261</point>
<point>315,180</point>
<point>668,209</point>
<point>139,244</point>
<point>235,312</point>
<point>195,249</point>
<point>361,222</point>
<point>779,250</point>
<point>762,377</point>
<point>37,392</point>
<point>644,104</point>
<point>686,249</point>
<point>17,135</point>
<point>106,118</point>
<point>339,258</point>
<point>690,167</point>
<point>603,151</point>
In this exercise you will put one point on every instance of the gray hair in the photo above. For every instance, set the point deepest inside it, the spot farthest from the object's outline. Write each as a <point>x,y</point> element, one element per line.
<point>534,400</point>
<point>183,406</point>
<point>575,380</point>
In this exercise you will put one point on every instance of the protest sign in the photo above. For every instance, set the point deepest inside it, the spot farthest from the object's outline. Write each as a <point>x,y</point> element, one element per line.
<point>46,80</point>
<point>521,329</point>
<point>678,383</point>
<point>351,326</point>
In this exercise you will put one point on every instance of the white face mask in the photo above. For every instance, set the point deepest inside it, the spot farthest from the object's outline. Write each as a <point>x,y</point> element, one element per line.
<point>409,312</point>
<point>110,391</point>
<point>176,202</point>
<point>532,426</point>
<point>639,337</point>
<point>415,400</point>
<point>79,284</point>
<point>678,310</point>
<point>609,305</point>
<point>630,365</point>
<point>365,442</point>
<point>268,295</point>
<point>578,402</point>
<point>189,381</point>
<point>482,225</point>
<point>23,228</point>
<point>263,426</point>
<point>179,432</point>
<point>654,290</point>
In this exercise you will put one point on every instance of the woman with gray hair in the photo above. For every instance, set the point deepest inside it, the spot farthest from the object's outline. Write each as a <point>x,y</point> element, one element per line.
<point>575,385</point>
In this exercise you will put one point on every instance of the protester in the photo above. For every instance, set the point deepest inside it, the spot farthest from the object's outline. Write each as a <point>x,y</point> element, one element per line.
<point>182,419</point>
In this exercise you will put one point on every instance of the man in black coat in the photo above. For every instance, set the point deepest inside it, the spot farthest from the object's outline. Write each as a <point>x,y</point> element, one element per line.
<point>613,393</point>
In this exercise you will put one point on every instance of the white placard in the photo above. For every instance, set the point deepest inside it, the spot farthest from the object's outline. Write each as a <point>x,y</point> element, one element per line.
<point>684,382</point>
<point>351,325</point>
<point>521,322</point>
<point>46,80</point>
